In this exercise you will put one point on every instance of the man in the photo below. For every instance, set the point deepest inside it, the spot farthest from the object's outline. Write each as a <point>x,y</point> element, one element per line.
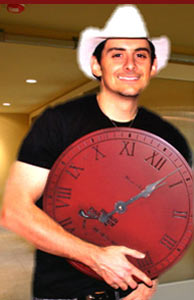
<point>124,64</point>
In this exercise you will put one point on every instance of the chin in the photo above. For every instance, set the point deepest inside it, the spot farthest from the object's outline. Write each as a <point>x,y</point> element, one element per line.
<point>129,95</point>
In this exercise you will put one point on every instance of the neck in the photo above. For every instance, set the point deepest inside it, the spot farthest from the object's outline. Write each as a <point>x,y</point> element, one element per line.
<point>120,109</point>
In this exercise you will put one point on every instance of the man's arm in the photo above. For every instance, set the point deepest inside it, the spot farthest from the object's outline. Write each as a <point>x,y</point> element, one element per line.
<point>25,185</point>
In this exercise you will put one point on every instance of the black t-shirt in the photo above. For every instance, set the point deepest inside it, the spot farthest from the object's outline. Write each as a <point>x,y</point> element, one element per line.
<point>51,134</point>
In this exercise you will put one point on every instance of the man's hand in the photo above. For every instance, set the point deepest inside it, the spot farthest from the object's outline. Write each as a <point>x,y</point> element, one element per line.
<point>113,266</point>
<point>143,292</point>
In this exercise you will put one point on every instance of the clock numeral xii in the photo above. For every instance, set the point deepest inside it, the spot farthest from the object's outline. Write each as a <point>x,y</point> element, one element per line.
<point>156,160</point>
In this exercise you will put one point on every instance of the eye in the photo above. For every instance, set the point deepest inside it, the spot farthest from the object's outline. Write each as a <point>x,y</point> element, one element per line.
<point>117,55</point>
<point>141,55</point>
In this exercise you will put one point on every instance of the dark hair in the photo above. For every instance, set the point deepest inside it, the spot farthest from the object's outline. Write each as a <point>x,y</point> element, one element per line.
<point>98,53</point>
<point>153,52</point>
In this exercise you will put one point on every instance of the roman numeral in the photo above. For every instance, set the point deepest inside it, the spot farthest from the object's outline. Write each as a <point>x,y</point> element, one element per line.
<point>168,242</point>
<point>144,263</point>
<point>61,194</point>
<point>66,222</point>
<point>128,149</point>
<point>180,214</point>
<point>156,160</point>
<point>112,221</point>
<point>98,153</point>
<point>175,184</point>
<point>73,170</point>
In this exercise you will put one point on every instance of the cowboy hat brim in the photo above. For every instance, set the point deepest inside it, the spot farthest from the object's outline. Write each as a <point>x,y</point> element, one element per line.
<point>92,37</point>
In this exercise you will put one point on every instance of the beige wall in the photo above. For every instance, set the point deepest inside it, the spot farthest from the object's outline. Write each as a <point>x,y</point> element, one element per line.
<point>169,94</point>
<point>12,129</point>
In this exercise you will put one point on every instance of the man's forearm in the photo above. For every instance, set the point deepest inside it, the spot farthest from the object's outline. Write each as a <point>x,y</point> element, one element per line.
<point>44,233</point>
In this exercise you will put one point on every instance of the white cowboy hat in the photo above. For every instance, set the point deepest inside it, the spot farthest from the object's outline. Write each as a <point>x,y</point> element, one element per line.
<point>125,22</point>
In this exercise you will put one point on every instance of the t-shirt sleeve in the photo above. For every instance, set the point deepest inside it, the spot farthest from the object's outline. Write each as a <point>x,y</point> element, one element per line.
<point>180,143</point>
<point>42,145</point>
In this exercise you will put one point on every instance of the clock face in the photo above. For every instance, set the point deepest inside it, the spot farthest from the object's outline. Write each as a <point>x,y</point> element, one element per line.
<point>124,186</point>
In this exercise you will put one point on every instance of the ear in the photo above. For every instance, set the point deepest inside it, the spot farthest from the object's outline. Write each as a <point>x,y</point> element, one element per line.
<point>154,68</point>
<point>95,67</point>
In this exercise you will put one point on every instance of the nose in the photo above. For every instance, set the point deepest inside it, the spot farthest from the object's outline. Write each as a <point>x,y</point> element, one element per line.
<point>129,64</point>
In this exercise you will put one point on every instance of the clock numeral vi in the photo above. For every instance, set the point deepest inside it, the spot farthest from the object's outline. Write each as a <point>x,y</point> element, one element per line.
<point>168,242</point>
<point>128,149</point>
<point>156,160</point>
<point>144,263</point>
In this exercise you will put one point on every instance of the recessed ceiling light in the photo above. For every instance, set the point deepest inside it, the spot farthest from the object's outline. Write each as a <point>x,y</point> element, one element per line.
<point>31,80</point>
<point>6,104</point>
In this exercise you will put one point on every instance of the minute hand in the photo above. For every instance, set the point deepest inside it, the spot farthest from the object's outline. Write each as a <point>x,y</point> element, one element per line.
<point>121,206</point>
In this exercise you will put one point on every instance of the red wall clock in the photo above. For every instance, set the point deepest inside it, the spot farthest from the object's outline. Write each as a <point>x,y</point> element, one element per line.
<point>124,186</point>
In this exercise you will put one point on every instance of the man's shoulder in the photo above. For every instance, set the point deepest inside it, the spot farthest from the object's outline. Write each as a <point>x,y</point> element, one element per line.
<point>152,118</point>
<point>66,110</point>
<point>76,103</point>
<point>147,113</point>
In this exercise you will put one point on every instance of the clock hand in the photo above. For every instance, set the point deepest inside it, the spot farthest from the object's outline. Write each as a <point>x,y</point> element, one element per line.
<point>121,206</point>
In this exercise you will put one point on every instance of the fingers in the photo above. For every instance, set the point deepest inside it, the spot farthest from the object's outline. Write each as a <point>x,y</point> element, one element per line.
<point>115,286</point>
<point>132,252</point>
<point>131,282</point>
<point>121,285</point>
<point>125,279</point>
<point>142,292</point>
<point>113,266</point>
<point>135,271</point>
<point>142,276</point>
<point>115,281</point>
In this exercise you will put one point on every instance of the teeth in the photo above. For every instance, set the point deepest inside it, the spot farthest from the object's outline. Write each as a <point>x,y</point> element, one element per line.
<point>128,78</point>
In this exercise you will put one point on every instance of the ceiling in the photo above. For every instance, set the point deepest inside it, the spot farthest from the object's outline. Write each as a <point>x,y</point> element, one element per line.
<point>34,44</point>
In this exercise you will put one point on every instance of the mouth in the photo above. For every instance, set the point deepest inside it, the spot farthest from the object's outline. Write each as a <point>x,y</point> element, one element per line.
<point>128,78</point>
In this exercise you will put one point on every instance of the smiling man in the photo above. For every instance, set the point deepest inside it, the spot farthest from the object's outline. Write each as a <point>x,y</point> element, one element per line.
<point>125,66</point>
<point>125,69</point>
<point>124,59</point>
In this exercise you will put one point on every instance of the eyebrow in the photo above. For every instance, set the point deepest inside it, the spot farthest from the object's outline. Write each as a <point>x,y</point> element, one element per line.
<point>123,49</point>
